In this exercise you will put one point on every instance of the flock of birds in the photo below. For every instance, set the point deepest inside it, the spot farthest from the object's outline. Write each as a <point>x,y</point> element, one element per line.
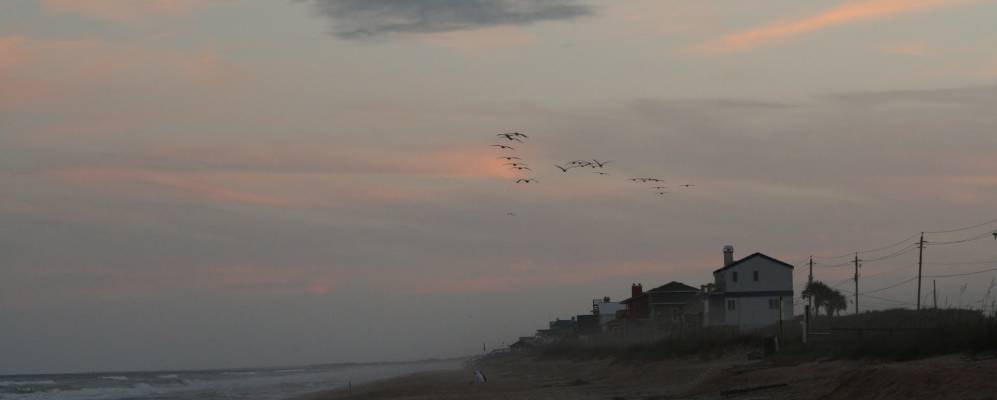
<point>598,166</point>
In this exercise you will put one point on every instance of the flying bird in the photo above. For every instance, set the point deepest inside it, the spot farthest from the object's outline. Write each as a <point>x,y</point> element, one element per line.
<point>687,185</point>
<point>563,169</point>
<point>518,134</point>
<point>509,136</point>
<point>510,158</point>
<point>660,187</point>
<point>526,180</point>
<point>504,147</point>
<point>661,193</point>
<point>515,164</point>
<point>580,163</point>
<point>511,214</point>
<point>600,164</point>
<point>601,173</point>
<point>522,168</point>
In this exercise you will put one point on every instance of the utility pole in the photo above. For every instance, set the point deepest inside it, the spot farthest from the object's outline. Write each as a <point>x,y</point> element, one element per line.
<point>810,298</point>
<point>934,292</point>
<point>856,283</point>
<point>920,259</point>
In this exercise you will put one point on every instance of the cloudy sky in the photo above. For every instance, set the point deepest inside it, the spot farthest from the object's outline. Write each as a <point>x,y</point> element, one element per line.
<point>197,183</point>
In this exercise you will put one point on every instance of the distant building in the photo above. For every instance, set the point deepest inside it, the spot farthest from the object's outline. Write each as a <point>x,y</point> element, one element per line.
<point>637,305</point>
<point>525,343</point>
<point>749,293</point>
<point>675,308</point>
<point>606,310</point>
<point>635,327</point>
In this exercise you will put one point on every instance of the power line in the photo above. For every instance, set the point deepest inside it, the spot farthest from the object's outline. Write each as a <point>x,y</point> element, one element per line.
<point>905,240</point>
<point>965,228</point>
<point>891,286</point>
<point>970,239</point>
<point>963,274</point>
<point>895,254</point>
<point>962,263</point>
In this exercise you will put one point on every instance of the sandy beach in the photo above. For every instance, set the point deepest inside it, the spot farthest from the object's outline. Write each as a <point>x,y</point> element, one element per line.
<point>520,377</point>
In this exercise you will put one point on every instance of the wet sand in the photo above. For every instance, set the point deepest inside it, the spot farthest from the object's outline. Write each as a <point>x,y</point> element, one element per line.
<point>520,377</point>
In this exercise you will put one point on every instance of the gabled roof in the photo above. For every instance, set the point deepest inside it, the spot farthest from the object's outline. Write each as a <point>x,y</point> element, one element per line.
<point>674,286</point>
<point>739,262</point>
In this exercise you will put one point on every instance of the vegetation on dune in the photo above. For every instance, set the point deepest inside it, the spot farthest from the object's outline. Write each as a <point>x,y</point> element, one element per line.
<point>897,334</point>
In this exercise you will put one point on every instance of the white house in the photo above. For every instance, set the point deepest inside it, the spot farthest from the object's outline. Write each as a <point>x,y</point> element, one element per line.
<point>749,293</point>
<point>606,310</point>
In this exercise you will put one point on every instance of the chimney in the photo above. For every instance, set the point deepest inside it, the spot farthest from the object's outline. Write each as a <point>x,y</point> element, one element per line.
<point>636,290</point>
<point>728,255</point>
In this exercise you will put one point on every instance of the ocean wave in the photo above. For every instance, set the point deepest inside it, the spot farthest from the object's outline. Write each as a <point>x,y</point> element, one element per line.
<point>27,383</point>
<point>239,373</point>
<point>168,376</point>
<point>115,378</point>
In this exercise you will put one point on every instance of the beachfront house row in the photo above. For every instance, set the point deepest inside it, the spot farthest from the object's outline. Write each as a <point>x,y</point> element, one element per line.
<point>750,293</point>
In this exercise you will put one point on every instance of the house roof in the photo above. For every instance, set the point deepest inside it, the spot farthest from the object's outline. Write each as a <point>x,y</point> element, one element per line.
<point>635,298</point>
<point>674,286</point>
<point>741,261</point>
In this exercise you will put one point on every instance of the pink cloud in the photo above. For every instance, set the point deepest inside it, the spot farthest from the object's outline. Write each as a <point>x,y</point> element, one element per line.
<point>121,10</point>
<point>189,184</point>
<point>853,11</point>
<point>42,70</point>
<point>11,52</point>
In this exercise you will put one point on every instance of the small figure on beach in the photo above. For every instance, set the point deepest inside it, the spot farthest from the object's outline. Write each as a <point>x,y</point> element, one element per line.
<point>479,377</point>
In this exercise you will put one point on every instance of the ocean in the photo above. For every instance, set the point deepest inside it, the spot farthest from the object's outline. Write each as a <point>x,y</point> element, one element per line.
<point>223,384</point>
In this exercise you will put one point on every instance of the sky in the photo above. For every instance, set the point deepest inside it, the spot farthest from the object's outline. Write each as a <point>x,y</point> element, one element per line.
<point>200,184</point>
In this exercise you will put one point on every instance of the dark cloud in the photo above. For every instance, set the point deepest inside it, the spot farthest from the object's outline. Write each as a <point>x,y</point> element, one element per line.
<point>356,19</point>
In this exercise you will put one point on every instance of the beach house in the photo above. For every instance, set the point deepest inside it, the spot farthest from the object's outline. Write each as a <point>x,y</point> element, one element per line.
<point>675,308</point>
<point>750,293</point>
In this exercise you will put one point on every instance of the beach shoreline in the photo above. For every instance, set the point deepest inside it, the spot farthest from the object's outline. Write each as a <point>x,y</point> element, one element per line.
<point>733,376</point>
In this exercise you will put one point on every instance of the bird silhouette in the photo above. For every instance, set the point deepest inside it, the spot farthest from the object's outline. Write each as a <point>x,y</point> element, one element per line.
<point>511,214</point>
<point>600,164</point>
<point>508,136</point>
<point>518,134</point>
<point>580,163</point>
<point>522,168</point>
<point>661,193</point>
<point>688,185</point>
<point>510,158</point>
<point>515,164</point>
<point>563,169</point>
<point>526,180</point>
<point>601,173</point>
<point>504,147</point>
<point>660,187</point>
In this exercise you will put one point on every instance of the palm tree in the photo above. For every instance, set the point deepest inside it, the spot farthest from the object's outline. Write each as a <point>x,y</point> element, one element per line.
<point>825,296</point>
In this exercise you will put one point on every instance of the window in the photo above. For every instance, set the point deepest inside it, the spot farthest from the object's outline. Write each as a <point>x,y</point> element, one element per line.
<point>731,304</point>
<point>773,304</point>
<point>734,276</point>
<point>755,275</point>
